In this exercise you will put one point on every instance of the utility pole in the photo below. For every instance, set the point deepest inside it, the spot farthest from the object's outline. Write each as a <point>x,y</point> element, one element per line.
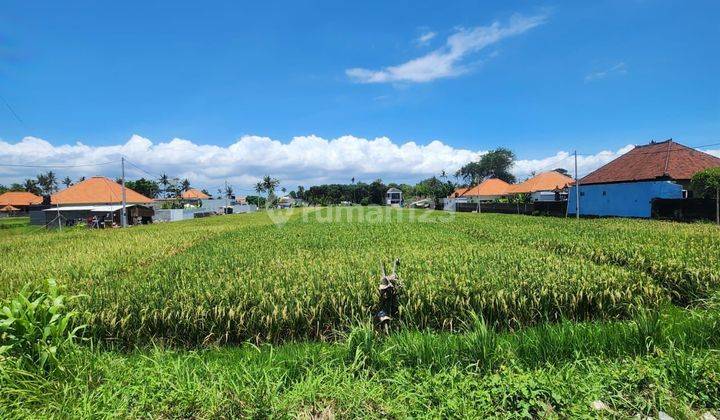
<point>577,191</point>
<point>227,197</point>
<point>57,206</point>
<point>123,222</point>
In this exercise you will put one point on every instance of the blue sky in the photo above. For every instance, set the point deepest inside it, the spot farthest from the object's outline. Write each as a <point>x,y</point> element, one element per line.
<point>537,77</point>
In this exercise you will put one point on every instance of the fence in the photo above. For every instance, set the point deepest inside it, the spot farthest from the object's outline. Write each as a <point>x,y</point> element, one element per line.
<point>174,215</point>
<point>683,210</point>
<point>538,208</point>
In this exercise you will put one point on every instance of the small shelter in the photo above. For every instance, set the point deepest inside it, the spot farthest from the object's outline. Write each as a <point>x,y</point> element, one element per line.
<point>393,197</point>
<point>627,186</point>
<point>9,210</point>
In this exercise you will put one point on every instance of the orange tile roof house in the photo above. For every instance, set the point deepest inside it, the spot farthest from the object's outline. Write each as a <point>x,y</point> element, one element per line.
<point>97,190</point>
<point>97,197</point>
<point>545,181</point>
<point>489,189</point>
<point>19,199</point>
<point>194,194</point>
<point>627,186</point>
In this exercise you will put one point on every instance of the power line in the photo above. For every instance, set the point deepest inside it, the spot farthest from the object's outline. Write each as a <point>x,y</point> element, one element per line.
<point>20,165</point>
<point>12,111</point>
<point>142,170</point>
<point>658,151</point>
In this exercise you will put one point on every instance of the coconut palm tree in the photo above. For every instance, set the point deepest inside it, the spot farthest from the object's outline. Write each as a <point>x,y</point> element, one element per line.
<point>259,188</point>
<point>30,185</point>
<point>164,181</point>
<point>67,182</point>
<point>185,184</point>
<point>52,181</point>
<point>47,182</point>
<point>268,185</point>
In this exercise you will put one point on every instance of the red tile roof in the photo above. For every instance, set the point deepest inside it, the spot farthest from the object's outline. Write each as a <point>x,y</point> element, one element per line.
<point>546,181</point>
<point>489,187</point>
<point>194,194</point>
<point>98,190</point>
<point>19,198</point>
<point>663,160</point>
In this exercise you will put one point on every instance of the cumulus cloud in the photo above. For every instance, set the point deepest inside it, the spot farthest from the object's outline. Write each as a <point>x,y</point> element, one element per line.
<point>586,163</point>
<point>304,160</point>
<point>448,61</point>
<point>617,69</point>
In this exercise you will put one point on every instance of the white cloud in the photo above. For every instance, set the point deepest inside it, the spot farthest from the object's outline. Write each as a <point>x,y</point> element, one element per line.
<point>305,160</point>
<point>447,61</point>
<point>426,37</point>
<point>619,68</point>
<point>586,163</point>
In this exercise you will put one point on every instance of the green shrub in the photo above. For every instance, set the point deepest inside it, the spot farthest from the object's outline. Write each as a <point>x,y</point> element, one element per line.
<point>36,328</point>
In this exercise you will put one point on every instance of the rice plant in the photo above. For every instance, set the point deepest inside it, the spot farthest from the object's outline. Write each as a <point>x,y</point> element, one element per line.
<point>238,278</point>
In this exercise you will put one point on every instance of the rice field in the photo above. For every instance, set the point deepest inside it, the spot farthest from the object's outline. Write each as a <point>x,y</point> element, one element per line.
<point>244,277</point>
<point>501,316</point>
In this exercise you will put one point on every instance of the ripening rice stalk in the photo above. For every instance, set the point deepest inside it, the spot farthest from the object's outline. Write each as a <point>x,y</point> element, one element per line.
<point>241,277</point>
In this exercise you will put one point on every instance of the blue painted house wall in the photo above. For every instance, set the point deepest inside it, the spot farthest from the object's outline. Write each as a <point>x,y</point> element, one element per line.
<point>626,199</point>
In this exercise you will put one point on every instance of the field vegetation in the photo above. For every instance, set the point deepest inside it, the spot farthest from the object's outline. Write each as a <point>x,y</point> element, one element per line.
<point>500,315</point>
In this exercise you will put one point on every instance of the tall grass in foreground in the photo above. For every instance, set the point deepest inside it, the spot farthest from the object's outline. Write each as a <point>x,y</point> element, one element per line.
<point>668,362</point>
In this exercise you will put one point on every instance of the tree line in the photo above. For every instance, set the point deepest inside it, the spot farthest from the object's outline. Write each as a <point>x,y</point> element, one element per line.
<point>496,163</point>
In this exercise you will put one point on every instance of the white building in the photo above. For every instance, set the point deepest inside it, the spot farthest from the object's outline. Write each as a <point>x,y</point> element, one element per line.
<point>393,197</point>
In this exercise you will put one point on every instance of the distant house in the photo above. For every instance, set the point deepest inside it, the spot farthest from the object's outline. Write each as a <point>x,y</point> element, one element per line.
<point>627,185</point>
<point>286,202</point>
<point>193,196</point>
<point>488,190</point>
<point>95,197</point>
<point>546,186</point>
<point>393,197</point>
<point>18,202</point>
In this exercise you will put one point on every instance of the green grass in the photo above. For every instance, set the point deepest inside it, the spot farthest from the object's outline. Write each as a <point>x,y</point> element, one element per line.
<point>556,370</point>
<point>14,225</point>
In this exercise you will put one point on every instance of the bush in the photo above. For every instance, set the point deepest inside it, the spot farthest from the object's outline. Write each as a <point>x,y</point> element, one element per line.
<point>37,328</point>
